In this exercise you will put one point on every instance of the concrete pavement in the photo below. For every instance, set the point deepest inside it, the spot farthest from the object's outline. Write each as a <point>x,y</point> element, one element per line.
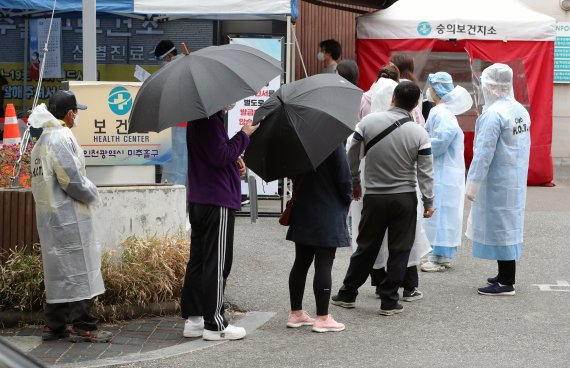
<point>451,327</point>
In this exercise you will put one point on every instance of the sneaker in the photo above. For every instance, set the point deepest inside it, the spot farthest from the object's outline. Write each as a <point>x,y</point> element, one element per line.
<point>231,332</point>
<point>328,325</point>
<point>193,329</point>
<point>79,335</point>
<point>411,295</point>
<point>304,319</point>
<point>497,289</point>
<point>493,280</point>
<point>397,309</point>
<point>48,334</point>
<point>342,301</point>
<point>434,267</point>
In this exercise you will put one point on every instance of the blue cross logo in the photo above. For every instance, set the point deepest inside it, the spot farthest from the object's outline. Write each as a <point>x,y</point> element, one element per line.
<point>424,28</point>
<point>120,100</point>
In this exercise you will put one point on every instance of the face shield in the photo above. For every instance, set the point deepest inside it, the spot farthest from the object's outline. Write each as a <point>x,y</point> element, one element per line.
<point>456,98</point>
<point>497,83</point>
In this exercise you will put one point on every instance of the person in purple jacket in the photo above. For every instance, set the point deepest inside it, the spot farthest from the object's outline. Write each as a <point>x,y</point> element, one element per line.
<point>214,169</point>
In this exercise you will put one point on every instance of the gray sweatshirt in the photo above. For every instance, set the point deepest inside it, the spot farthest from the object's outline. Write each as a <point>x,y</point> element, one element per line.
<point>396,163</point>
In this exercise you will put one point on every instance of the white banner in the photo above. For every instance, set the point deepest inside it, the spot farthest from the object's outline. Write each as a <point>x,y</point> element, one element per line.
<point>244,109</point>
<point>39,29</point>
<point>505,20</point>
<point>215,8</point>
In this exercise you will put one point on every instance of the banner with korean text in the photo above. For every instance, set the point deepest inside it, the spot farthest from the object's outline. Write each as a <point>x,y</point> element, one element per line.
<point>103,128</point>
<point>244,109</point>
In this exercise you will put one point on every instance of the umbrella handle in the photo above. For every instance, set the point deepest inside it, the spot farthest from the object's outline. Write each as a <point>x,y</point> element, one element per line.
<point>185,49</point>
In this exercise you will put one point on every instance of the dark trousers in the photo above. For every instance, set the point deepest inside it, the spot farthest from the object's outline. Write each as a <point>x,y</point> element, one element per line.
<point>211,251</point>
<point>57,315</point>
<point>322,281</point>
<point>507,272</point>
<point>397,214</point>
<point>410,282</point>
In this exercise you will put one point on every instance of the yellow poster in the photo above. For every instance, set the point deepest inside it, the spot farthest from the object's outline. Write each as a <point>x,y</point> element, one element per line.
<point>103,128</point>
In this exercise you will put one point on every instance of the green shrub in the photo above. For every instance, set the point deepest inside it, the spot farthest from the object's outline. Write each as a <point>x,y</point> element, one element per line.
<point>148,270</point>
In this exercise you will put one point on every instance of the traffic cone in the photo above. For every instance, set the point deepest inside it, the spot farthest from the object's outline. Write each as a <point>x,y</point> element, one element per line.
<point>11,129</point>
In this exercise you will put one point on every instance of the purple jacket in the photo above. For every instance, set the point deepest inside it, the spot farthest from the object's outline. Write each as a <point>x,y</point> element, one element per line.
<point>213,175</point>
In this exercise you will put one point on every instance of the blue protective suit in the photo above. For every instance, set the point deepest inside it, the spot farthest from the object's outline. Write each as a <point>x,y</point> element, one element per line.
<point>497,181</point>
<point>176,171</point>
<point>445,226</point>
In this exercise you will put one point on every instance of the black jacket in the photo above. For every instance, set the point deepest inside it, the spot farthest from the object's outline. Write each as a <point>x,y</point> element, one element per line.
<point>322,202</point>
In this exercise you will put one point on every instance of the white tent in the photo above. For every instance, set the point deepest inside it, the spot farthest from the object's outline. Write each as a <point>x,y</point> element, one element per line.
<point>488,31</point>
<point>457,19</point>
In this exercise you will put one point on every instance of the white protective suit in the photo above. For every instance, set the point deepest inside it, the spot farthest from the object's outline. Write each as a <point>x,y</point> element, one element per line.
<point>444,228</point>
<point>497,176</point>
<point>64,196</point>
<point>381,99</point>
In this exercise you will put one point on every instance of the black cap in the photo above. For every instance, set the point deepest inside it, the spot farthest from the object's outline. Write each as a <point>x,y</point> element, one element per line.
<point>63,101</point>
<point>164,48</point>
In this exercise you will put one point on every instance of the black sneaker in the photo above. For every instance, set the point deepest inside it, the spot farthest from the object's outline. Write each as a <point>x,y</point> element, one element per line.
<point>48,334</point>
<point>493,280</point>
<point>497,289</point>
<point>411,295</point>
<point>343,301</point>
<point>398,308</point>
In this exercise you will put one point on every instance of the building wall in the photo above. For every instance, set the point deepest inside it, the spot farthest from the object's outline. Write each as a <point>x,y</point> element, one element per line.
<point>561,108</point>
<point>318,23</point>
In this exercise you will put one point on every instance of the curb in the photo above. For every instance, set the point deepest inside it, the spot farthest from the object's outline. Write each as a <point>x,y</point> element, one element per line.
<point>251,321</point>
<point>10,319</point>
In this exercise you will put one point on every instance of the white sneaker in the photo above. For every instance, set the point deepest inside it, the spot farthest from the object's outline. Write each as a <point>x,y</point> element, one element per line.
<point>435,267</point>
<point>229,333</point>
<point>193,329</point>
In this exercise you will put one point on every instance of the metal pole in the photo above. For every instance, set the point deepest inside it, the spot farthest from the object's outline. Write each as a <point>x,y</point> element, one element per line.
<point>89,40</point>
<point>26,59</point>
<point>288,79</point>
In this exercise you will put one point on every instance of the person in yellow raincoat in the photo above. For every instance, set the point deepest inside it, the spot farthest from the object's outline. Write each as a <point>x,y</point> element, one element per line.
<point>64,197</point>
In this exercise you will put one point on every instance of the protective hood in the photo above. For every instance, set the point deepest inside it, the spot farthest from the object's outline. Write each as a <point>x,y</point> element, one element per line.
<point>441,82</point>
<point>382,92</point>
<point>497,83</point>
<point>42,118</point>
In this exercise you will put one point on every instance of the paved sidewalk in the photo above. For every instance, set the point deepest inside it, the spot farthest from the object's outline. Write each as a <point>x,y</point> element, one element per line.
<point>138,336</point>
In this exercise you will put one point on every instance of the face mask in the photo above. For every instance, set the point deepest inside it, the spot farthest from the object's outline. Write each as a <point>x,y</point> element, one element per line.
<point>320,56</point>
<point>76,120</point>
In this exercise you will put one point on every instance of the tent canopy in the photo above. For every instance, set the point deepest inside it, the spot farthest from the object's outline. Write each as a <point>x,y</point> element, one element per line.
<point>489,31</point>
<point>457,19</point>
<point>194,8</point>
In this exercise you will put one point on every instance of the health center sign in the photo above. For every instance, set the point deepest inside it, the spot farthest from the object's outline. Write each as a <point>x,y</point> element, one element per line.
<point>103,128</point>
<point>244,109</point>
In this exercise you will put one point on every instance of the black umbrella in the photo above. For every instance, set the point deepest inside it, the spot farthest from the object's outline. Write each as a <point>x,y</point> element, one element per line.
<point>200,84</point>
<point>301,124</point>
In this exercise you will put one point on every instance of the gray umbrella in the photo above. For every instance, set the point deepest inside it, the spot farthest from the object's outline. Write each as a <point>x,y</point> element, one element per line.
<point>301,124</point>
<point>198,85</point>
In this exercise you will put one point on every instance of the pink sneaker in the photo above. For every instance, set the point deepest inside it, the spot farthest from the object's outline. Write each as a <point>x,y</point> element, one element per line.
<point>298,321</point>
<point>328,325</point>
